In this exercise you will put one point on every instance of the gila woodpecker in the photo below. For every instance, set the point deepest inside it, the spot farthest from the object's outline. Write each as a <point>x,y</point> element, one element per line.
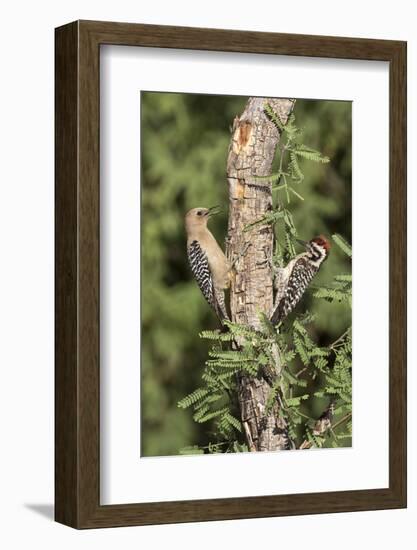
<point>207,260</point>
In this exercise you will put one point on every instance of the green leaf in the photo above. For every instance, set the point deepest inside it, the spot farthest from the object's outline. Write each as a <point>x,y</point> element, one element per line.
<point>194,397</point>
<point>273,178</point>
<point>344,278</point>
<point>289,222</point>
<point>240,447</point>
<point>233,421</point>
<point>295,401</point>
<point>310,154</point>
<point>342,244</point>
<point>293,380</point>
<point>296,194</point>
<point>274,117</point>
<point>301,350</point>
<point>294,168</point>
<point>210,415</point>
<point>270,218</point>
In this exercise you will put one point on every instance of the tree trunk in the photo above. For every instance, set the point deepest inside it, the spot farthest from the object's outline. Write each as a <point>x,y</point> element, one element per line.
<point>251,152</point>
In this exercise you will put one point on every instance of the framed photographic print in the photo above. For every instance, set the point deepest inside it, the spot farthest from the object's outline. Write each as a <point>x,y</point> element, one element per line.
<point>230,274</point>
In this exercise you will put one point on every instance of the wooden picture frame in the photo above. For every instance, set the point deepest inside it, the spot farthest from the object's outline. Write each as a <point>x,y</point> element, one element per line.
<point>77,404</point>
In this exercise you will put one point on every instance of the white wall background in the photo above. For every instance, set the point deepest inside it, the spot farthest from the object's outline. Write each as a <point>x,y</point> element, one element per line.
<point>26,272</point>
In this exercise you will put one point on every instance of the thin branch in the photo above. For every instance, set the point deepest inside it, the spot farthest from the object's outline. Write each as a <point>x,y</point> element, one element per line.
<point>306,444</point>
<point>342,420</point>
<point>333,345</point>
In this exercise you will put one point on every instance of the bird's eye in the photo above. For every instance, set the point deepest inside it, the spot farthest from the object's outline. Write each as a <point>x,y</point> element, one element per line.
<point>199,213</point>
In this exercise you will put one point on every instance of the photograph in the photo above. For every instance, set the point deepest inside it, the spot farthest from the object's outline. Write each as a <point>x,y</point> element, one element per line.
<point>246,274</point>
<point>209,255</point>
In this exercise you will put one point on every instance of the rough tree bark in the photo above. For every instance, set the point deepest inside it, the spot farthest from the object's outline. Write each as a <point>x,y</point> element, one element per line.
<point>251,152</point>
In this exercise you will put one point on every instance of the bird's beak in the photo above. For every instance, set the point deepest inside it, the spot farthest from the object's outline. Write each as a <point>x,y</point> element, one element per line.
<point>214,210</point>
<point>303,243</point>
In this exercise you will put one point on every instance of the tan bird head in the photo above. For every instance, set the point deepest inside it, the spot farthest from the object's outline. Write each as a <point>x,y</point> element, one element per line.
<point>198,217</point>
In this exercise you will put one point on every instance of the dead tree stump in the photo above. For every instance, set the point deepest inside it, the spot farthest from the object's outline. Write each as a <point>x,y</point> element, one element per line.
<point>251,152</point>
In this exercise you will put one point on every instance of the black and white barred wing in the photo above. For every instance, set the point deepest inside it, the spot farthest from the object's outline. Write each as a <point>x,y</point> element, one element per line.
<point>280,280</point>
<point>289,295</point>
<point>202,274</point>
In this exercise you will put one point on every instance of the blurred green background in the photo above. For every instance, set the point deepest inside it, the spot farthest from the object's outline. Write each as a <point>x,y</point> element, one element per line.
<point>185,140</point>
